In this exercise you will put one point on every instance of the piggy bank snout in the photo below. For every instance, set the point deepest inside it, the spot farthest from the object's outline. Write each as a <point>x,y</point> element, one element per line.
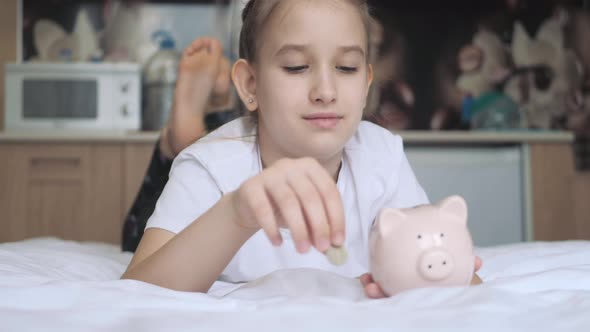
<point>435,264</point>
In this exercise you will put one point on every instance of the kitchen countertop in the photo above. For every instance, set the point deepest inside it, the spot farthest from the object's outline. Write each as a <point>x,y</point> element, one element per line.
<point>410,137</point>
<point>77,136</point>
<point>486,137</point>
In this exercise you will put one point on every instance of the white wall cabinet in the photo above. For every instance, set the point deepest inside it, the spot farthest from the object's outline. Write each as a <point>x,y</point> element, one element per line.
<point>492,180</point>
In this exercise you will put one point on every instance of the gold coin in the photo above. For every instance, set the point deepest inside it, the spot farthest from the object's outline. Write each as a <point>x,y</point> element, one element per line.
<point>337,255</point>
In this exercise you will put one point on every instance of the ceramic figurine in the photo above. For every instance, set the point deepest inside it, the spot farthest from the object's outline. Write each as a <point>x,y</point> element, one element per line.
<point>547,74</point>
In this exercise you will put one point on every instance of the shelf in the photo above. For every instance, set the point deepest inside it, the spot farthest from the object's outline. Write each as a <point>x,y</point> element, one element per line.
<point>410,137</point>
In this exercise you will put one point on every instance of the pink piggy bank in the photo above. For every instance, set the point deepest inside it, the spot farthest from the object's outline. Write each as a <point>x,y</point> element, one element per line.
<point>424,246</point>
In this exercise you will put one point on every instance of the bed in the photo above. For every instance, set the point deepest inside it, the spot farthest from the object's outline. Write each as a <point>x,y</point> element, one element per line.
<point>48,284</point>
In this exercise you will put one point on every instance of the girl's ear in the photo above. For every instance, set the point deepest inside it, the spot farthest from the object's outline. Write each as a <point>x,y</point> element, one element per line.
<point>242,75</point>
<point>369,77</point>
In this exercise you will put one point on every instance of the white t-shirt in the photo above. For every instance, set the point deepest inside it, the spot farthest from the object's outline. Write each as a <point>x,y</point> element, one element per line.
<point>375,173</point>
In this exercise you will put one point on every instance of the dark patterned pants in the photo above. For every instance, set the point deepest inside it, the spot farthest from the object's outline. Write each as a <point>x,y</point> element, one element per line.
<point>153,183</point>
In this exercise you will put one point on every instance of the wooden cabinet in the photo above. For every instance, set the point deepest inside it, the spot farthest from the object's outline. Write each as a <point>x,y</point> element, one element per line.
<point>72,191</point>
<point>560,194</point>
<point>81,187</point>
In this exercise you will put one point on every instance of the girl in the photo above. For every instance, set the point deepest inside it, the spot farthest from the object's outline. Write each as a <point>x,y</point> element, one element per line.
<point>303,171</point>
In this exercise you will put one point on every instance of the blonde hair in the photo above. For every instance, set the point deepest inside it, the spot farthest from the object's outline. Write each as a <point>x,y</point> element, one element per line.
<point>257,13</point>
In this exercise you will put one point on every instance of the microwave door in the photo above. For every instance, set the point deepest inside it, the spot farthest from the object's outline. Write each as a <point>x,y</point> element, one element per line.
<point>60,100</point>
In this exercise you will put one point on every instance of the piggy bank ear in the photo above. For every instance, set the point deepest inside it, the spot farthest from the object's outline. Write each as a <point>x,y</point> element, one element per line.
<point>388,220</point>
<point>455,206</point>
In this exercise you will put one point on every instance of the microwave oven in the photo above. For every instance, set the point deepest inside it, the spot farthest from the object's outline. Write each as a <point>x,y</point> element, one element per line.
<point>79,96</point>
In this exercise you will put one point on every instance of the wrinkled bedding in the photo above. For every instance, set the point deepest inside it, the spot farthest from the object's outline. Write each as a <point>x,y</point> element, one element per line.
<point>47,284</point>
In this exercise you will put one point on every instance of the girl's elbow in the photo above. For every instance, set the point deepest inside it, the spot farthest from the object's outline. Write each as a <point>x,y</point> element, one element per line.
<point>128,274</point>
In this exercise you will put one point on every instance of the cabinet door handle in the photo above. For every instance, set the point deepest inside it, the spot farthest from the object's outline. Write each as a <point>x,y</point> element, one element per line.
<point>55,168</point>
<point>53,162</point>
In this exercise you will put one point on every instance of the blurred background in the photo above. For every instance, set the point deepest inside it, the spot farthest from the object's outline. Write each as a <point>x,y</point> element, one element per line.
<point>441,65</point>
<point>492,98</point>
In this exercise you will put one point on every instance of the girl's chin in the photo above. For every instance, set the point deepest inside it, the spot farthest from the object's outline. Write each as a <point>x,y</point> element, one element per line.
<point>324,151</point>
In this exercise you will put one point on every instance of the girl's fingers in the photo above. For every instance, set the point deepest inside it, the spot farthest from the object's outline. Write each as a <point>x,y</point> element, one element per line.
<point>287,203</point>
<point>301,195</point>
<point>313,209</point>
<point>366,279</point>
<point>374,291</point>
<point>261,210</point>
<point>331,200</point>
<point>478,263</point>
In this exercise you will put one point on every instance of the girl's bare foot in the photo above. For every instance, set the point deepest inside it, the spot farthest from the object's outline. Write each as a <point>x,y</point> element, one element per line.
<point>203,81</point>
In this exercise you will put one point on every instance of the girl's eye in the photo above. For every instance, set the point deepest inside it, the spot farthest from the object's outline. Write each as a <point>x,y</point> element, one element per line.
<point>295,69</point>
<point>347,69</point>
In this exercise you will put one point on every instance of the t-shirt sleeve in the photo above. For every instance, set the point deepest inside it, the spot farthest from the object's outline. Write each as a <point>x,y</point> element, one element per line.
<point>407,191</point>
<point>189,192</point>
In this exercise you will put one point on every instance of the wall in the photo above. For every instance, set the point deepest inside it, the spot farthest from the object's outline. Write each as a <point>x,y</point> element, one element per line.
<point>8,46</point>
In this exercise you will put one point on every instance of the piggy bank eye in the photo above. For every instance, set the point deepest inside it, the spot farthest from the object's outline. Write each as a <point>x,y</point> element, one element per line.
<point>442,235</point>
<point>424,241</point>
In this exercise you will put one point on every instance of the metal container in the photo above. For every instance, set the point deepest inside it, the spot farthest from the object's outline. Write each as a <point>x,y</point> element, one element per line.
<point>159,80</point>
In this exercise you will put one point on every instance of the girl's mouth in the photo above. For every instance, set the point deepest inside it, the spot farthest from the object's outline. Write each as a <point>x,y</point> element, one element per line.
<point>323,120</point>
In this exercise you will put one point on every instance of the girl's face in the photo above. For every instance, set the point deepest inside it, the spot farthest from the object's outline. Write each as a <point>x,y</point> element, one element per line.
<point>312,78</point>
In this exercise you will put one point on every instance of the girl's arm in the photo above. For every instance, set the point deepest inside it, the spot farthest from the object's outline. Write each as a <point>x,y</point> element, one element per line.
<point>298,194</point>
<point>194,258</point>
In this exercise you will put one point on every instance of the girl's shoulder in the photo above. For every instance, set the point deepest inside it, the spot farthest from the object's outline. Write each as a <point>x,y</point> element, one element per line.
<point>242,129</point>
<point>375,140</point>
<point>228,154</point>
<point>231,139</point>
<point>374,149</point>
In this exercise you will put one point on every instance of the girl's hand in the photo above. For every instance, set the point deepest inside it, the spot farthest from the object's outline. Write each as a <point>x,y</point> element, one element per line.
<point>374,291</point>
<point>298,194</point>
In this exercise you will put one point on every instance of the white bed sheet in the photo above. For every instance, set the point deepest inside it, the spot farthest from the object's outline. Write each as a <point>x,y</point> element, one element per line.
<point>47,284</point>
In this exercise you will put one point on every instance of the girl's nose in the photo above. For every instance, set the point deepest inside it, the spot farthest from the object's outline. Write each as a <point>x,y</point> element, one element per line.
<point>323,90</point>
